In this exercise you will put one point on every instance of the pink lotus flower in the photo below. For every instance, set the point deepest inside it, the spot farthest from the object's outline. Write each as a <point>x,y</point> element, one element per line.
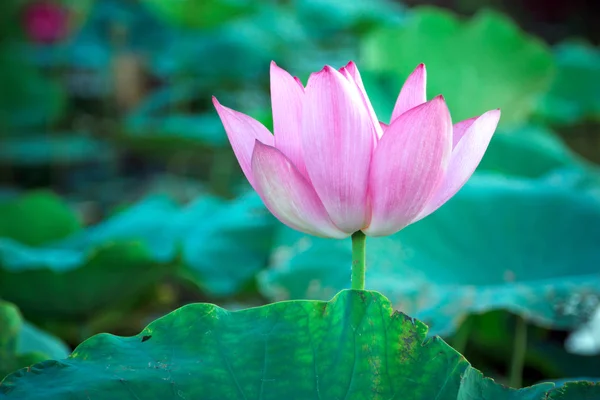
<point>333,169</point>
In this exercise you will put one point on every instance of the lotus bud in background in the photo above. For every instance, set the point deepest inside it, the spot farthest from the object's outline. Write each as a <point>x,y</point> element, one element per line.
<point>46,22</point>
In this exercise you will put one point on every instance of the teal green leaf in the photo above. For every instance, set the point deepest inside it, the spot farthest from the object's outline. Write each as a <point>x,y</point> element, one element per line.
<point>37,218</point>
<point>34,340</point>
<point>199,14</point>
<point>102,266</point>
<point>235,58</point>
<point>328,16</point>
<point>148,222</point>
<point>79,10</point>
<point>466,62</point>
<point>529,151</point>
<point>573,95</point>
<point>174,130</point>
<point>9,18</point>
<point>354,347</point>
<point>52,283</point>
<point>22,344</point>
<point>28,98</point>
<point>221,244</point>
<point>53,149</point>
<point>231,244</point>
<point>93,269</point>
<point>527,246</point>
<point>570,381</point>
<point>576,390</point>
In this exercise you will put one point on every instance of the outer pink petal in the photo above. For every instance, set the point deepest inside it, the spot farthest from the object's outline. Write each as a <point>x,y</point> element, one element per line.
<point>383,126</point>
<point>351,72</point>
<point>464,159</point>
<point>338,139</point>
<point>299,82</point>
<point>459,129</point>
<point>413,92</point>
<point>407,166</point>
<point>288,195</point>
<point>286,101</point>
<point>243,131</point>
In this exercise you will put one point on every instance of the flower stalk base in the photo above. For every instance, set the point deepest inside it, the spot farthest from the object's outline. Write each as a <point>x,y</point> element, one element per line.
<point>359,265</point>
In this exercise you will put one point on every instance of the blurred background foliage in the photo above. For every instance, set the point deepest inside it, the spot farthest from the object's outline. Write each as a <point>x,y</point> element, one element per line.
<point>120,198</point>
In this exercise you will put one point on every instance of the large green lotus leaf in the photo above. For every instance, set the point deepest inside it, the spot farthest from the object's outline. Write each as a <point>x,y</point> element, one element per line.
<point>37,218</point>
<point>149,222</point>
<point>354,347</point>
<point>53,283</point>
<point>53,149</point>
<point>199,14</point>
<point>229,246</point>
<point>563,382</point>
<point>95,268</point>
<point>22,344</point>
<point>527,246</point>
<point>32,339</point>
<point>529,151</point>
<point>28,99</point>
<point>576,390</point>
<point>79,11</point>
<point>574,92</point>
<point>174,130</point>
<point>10,25</point>
<point>329,16</point>
<point>235,59</point>
<point>466,60</point>
<point>234,235</point>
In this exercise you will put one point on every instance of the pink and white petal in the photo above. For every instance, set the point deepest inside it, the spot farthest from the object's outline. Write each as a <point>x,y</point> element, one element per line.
<point>459,129</point>
<point>407,166</point>
<point>465,158</point>
<point>338,139</point>
<point>351,72</point>
<point>243,131</point>
<point>383,126</point>
<point>413,92</point>
<point>299,82</point>
<point>289,195</point>
<point>286,102</point>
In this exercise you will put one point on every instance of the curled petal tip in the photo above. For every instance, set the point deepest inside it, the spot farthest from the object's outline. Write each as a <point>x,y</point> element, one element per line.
<point>325,72</point>
<point>258,144</point>
<point>413,92</point>
<point>328,69</point>
<point>215,101</point>
<point>495,113</point>
<point>438,100</point>
<point>273,63</point>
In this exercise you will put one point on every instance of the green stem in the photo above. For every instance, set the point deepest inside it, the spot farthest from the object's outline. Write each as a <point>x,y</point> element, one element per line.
<point>461,338</point>
<point>359,264</point>
<point>518,355</point>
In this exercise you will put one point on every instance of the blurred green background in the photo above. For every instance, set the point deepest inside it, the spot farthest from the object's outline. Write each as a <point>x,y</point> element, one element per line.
<point>120,197</point>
